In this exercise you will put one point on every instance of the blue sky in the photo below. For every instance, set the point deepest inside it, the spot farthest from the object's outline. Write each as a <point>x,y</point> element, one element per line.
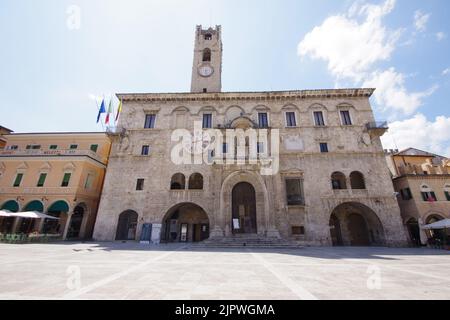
<point>50,72</point>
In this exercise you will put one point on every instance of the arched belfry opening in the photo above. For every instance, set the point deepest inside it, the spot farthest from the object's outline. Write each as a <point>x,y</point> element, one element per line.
<point>206,55</point>
<point>185,222</point>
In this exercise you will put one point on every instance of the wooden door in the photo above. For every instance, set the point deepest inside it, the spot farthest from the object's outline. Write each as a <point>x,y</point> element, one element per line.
<point>244,208</point>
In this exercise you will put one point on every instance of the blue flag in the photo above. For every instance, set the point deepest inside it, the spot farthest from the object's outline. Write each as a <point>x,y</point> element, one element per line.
<point>102,110</point>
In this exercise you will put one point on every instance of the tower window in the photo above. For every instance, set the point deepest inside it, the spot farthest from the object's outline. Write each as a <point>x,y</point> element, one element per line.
<point>207,55</point>
<point>205,90</point>
<point>208,36</point>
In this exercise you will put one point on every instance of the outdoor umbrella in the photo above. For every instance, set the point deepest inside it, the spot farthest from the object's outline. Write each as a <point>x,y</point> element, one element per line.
<point>441,224</point>
<point>5,213</point>
<point>33,215</point>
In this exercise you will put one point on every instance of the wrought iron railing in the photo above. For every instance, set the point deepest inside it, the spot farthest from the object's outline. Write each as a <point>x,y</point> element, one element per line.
<point>377,125</point>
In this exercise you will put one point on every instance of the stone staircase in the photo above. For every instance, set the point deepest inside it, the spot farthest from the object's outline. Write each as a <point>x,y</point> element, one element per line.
<point>249,241</point>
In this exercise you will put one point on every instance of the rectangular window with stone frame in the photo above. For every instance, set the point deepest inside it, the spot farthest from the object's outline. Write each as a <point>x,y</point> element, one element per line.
<point>318,119</point>
<point>290,119</point>
<point>207,121</point>
<point>41,180</point>
<point>294,192</point>
<point>149,121</point>
<point>345,117</point>
<point>66,179</point>
<point>140,184</point>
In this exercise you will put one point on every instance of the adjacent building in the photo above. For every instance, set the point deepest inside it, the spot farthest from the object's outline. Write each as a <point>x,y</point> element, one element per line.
<point>3,131</point>
<point>60,174</point>
<point>329,185</point>
<point>422,181</point>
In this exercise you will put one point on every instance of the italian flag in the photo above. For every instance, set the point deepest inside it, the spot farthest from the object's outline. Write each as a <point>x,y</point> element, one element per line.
<point>109,111</point>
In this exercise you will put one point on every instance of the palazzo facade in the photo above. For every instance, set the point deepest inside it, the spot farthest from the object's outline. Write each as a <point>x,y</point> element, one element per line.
<point>330,186</point>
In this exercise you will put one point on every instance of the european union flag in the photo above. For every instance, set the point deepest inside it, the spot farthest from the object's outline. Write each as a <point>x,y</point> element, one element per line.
<point>102,110</point>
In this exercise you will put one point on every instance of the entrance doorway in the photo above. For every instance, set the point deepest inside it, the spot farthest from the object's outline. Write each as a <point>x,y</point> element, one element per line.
<point>414,232</point>
<point>75,223</point>
<point>335,230</point>
<point>185,222</point>
<point>126,228</point>
<point>358,230</point>
<point>243,208</point>
<point>355,224</point>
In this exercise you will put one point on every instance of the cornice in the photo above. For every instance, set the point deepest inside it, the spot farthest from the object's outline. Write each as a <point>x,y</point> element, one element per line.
<point>250,96</point>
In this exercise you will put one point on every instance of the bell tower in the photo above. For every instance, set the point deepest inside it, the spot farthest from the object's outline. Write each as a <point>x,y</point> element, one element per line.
<point>207,66</point>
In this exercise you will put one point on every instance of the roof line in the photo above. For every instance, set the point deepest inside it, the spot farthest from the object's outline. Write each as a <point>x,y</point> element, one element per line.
<point>50,133</point>
<point>251,92</point>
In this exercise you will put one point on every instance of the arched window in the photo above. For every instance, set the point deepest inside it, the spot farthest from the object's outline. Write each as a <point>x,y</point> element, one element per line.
<point>357,180</point>
<point>338,181</point>
<point>196,181</point>
<point>178,182</point>
<point>208,36</point>
<point>207,55</point>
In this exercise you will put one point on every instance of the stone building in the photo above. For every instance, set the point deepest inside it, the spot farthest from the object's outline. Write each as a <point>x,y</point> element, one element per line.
<point>60,174</point>
<point>422,180</point>
<point>330,183</point>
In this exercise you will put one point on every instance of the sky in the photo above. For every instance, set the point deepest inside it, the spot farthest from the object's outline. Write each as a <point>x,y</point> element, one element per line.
<point>58,57</point>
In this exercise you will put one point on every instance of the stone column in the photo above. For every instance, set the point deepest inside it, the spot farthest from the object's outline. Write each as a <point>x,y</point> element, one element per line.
<point>216,230</point>
<point>422,233</point>
<point>66,226</point>
<point>272,231</point>
<point>16,225</point>
<point>40,225</point>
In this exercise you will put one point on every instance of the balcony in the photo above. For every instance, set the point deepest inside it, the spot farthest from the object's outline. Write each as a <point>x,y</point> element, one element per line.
<point>186,195</point>
<point>351,193</point>
<point>377,128</point>
<point>51,153</point>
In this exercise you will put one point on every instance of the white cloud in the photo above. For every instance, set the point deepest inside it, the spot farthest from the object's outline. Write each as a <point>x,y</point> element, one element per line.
<point>352,44</point>
<point>446,72</point>
<point>441,36</point>
<point>349,46</point>
<point>420,133</point>
<point>421,20</point>
<point>392,94</point>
